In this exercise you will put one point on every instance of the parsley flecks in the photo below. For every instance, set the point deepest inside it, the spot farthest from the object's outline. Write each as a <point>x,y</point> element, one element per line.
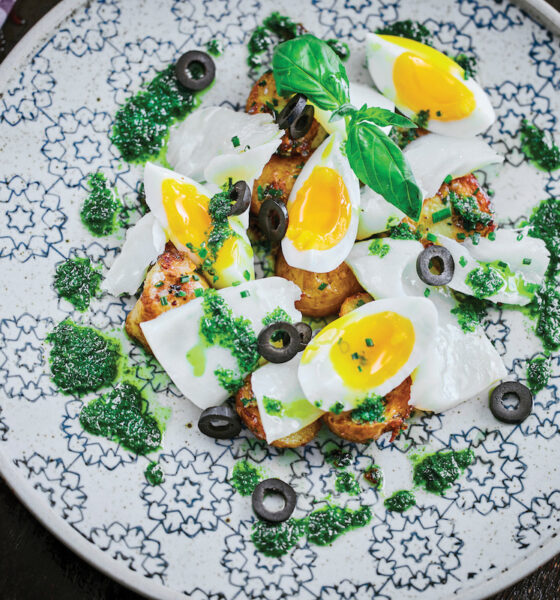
<point>378,248</point>
<point>77,281</point>
<point>370,410</point>
<point>228,379</point>
<point>273,406</point>
<point>538,373</point>
<point>215,47</point>
<point>469,312</point>
<point>468,64</point>
<point>537,149</point>
<point>403,231</point>
<point>545,225</point>
<point>413,30</point>
<point>278,314</point>
<point>100,207</point>
<point>421,119</point>
<point>484,281</point>
<point>467,209</point>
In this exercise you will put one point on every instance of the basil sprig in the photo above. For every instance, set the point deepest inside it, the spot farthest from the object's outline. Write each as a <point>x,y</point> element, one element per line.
<point>307,65</point>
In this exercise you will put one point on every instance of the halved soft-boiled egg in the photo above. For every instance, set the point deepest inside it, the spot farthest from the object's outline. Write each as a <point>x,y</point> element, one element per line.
<point>460,361</point>
<point>181,205</point>
<point>360,94</point>
<point>283,407</point>
<point>417,77</point>
<point>322,211</point>
<point>209,344</point>
<point>368,351</point>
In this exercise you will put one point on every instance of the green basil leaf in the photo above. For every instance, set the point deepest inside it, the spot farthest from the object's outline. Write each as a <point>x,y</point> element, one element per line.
<point>379,163</point>
<point>307,65</point>
<point>343,111</point>
<point>384,117</point>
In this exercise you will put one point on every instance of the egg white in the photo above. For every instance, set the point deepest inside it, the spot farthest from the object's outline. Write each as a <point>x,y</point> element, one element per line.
<point>381,55</point>
<point>319,379</point>
<point>328,154</point>
<point>280,382</point>
<point>174,333</point>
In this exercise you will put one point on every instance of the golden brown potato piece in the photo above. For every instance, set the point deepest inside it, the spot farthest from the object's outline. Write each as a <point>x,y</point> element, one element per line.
<point>170,267</point>
<point>276,180</point>
<point>397,410</point>
<point>264,98</point>
<point>453,225</point>
<point>247,408</point>
<point>354,301</point>
<point>322,293</point>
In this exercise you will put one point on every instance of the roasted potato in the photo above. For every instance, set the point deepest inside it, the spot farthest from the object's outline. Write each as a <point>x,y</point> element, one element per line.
<point>322,293</point>
<point>264,98</point>
<point>354,301</point>
<point>455,224</point>
<point>276,180</point>
<point>170,267</point>
<point>248,410</point>
<point>396,411</point>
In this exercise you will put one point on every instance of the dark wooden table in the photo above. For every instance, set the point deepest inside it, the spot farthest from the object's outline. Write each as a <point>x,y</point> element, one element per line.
<point>35,565</point>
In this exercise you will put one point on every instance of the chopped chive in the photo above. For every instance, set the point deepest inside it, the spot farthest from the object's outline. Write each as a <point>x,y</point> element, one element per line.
<point>492,236</point>
<point>215,278</point>
<point>355,356</point>
<point>476,191</point>
<point>235,141</point>
<point>463,261</point>
<point>185,279</point>
<point>438,113</point>
<point>475,239</point>
<point>244,293</point>
<point>490,192</point>
<point>519,237</point>
<point>359,368</point>
<point>427,292</point>
<point>322,286</point>
<point>202,253</point>
<point>439,215</point>
<point>181,294</point>
<point>448,179</point>
<point>163,300</point>
<point>195,277</point>
<point>236,283</point>
<point>527,261</point>
<point>369,342</point>
<point>431,237</point>
<point>198,292</point>
<point>502,264</point>
<point>158,284</point>
<point>461,236</point>
<point>247,275</point>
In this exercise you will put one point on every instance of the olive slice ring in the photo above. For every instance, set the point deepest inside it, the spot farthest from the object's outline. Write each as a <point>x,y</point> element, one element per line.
<point>442,259</point>
<point>524,402</point>
<point>297,116</point>
<point>281,331</point>
<point>273,219</point>
<point>195,70</point>
<point>220,422</point>
<point>305,334</point>
<point>275,487</point>
<point>240,195</point>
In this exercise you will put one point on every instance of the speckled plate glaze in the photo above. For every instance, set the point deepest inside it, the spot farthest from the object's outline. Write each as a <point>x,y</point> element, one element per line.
<point>190,536</point>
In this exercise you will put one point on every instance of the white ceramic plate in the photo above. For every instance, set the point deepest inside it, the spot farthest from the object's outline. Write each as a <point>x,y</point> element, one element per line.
<point>61,87</point>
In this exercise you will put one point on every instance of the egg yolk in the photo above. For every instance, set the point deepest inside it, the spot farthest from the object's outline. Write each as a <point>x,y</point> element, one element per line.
<point>373,349</point>
<point>319,216</point>
<point>229,254</point>
<point>187,212</point>
<point>426,79</point>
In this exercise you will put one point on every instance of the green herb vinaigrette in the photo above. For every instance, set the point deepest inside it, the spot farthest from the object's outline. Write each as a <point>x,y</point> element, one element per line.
<point>437,472</point>
<point>533,143</point>
<point>245,477</point>
<point>276,28</point>
<point>538,373</point>
<point>77,281</point>
<point>154,474</point>
<point>100,208</point>
<point>400,501</point>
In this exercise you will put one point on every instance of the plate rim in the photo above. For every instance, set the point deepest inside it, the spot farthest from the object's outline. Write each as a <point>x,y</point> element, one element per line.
<point>549,18</point>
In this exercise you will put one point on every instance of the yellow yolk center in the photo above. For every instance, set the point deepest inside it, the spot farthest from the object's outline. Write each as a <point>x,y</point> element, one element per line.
<point>426,79</point>
<point>373,349</point>
<point>320,215</point>
<point>187,213</point>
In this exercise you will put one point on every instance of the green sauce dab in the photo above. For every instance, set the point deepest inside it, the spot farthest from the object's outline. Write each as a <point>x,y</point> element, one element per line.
<point>82,360</point>
<point>413,30</point>
<point>123,415</point>
<point>245,477</point>
<point>77,281</point>
<point>276,28</point>
<point>370,410</point>
<point>400,501</point>
<point>100,208</point>
<point>538,373</point>
<point>437,472</point>
<point>154,474</point>
<point>536,148</point>
<point>346,483</point>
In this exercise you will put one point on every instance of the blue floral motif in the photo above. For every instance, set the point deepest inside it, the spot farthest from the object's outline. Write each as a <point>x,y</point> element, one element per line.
<point>424,537</point>
<point>546,57</point>
<point>484,14</point>
<point>60,486</point>
<point>3,427</point>
<point>132,546</point>
<point>538,519</point>
<point>347,590</point>
<point>260,576</point>
<point>23,363</point>
<point>195,495</point>
<point>33,217</point>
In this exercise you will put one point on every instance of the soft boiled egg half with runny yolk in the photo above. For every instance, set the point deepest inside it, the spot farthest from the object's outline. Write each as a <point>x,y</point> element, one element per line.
<point>371,350</point>
<point>417,77</point>
<point>323,211</point>
<point>181,205</point>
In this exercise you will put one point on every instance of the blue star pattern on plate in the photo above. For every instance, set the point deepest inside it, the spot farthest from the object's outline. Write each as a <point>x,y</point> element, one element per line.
<point>542,515</point>
<point>3,428</point>
<point>347,590</point>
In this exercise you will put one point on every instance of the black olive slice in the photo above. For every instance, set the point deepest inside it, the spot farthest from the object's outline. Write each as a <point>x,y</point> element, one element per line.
<point>292,111</point>
<point>275,487</point>
<point>240,195</point>
<point>524,402</point>
<point>305,334</point>
<point>273,219</point>
<point>195,70</point>
<point>279,342</point>
<point>220,422</point>
<point>303,123</point>
<point>438,257</point>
